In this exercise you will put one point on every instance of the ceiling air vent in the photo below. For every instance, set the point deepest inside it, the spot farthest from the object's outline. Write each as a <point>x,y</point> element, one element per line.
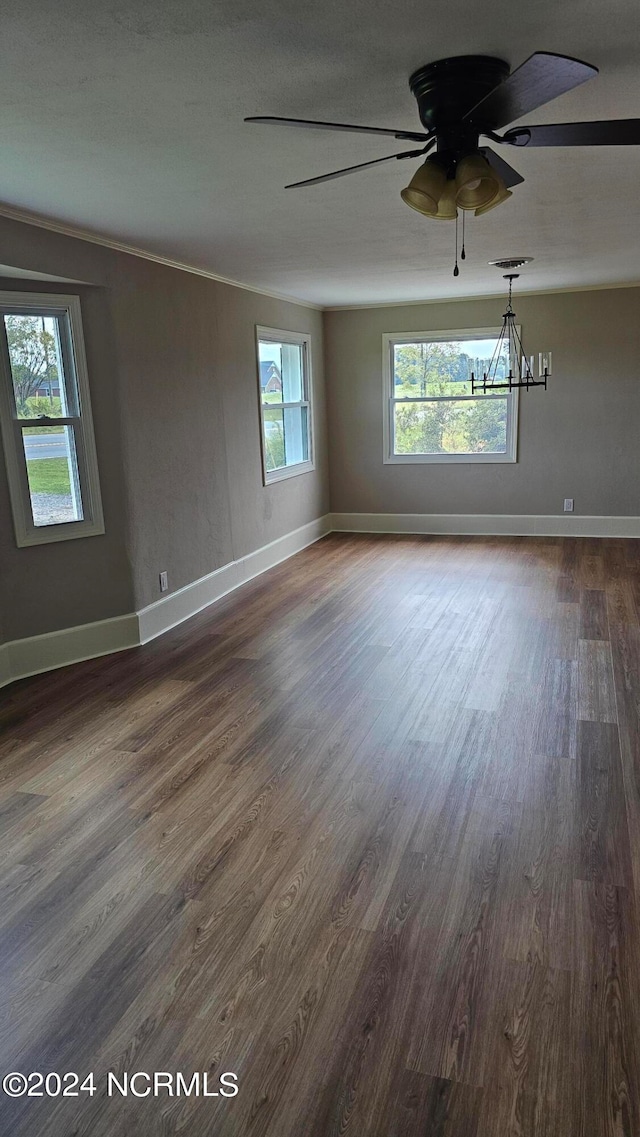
<point>512,262</point>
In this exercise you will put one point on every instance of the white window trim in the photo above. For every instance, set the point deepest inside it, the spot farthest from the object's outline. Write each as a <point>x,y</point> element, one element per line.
<point>93,523</point>
<point>389,458</point>
<point>277,335</point>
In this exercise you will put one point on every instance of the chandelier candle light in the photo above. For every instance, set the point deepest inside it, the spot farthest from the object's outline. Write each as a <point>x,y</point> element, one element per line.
<point>521,368</point>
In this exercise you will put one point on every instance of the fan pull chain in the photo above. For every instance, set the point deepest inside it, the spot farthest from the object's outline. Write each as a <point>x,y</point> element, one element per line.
<point>456,270</point>
<point>463,254</point>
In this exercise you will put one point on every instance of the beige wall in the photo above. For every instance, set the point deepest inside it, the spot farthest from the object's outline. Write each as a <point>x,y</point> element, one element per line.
<point>261,514</point>
<point>173,384</point>
<point>189,397</point>
<point>59,585</point>
<point>580,438</point>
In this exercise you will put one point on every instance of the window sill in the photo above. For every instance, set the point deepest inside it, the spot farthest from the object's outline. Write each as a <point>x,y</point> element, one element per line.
<point>447,459</point>
<point>47,534</point>
<point>288,472</point>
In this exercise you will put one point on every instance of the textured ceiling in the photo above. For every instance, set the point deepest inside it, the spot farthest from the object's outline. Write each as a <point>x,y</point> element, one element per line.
<point>125,118</point>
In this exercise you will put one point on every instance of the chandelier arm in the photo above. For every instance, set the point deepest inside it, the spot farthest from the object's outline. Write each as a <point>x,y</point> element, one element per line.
<point>521,355</point>
<point>496,351</point>
<point>494,358</point>
<point>509,337</point>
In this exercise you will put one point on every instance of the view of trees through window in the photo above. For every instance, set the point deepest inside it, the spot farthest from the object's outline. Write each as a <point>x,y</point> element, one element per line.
<point>442,417</point>
<point>33,350</point>
<point>38,387</point>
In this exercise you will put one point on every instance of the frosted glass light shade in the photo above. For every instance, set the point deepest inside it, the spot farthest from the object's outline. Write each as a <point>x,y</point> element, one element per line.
<point>501,194</point>
<point>476,182</point>
<point>425,188</point>
<point>447,208</point>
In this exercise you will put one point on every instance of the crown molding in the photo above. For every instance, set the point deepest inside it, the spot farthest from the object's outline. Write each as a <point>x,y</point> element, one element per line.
<point>480,296</point>
<point>28,218</point>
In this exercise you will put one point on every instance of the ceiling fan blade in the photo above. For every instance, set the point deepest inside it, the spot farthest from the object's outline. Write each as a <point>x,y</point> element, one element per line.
<point>542,77</point>
<point>413,136</point>
<point>360,166</point>
<point>616,132</point>
<point>509,176</point>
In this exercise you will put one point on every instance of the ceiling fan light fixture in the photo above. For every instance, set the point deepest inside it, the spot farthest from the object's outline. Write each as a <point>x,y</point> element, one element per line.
<point>468,97</point>
<point>447,207</point>
<point>501,194</point>
<point>426,187</point>
<point>476,182</point>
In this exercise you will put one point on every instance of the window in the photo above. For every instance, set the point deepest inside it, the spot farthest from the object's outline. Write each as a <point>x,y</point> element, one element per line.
<point>430,414</point>
<point>284,385</point>
<point>46,419</point>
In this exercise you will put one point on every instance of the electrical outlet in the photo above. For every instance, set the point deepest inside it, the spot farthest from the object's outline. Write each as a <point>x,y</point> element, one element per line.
<point>164,582</point>
<point>568,505</point>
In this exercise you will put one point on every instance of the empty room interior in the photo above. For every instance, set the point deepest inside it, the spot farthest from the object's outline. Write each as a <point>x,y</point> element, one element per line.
<point>320,569</point>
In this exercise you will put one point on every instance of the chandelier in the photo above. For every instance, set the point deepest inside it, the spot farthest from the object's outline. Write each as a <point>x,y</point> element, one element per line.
<point>509,347</point>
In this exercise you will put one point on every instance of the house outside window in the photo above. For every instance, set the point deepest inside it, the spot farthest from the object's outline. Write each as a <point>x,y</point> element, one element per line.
<point>45,416</point>
<point>430,414</point>
<point>284,388</point>
<point>270,377</point>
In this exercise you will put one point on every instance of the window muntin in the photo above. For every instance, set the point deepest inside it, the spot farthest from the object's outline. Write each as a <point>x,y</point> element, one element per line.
<point>285,407</point>
<point>430,412</point>
<point>46,419</point>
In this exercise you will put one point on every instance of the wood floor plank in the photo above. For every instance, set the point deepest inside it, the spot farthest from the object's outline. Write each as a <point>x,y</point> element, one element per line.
<point>596,694</point>
<point>529,1057</point>
<point>419,1104</point>
<point>606,1011</point>
<point>368,1046</point>
<point>444,1035</point>
<point>594,624</point>
<point>538,898</point>
<point>556,711</point>
<point>603,853</point>
<point>625,651</point>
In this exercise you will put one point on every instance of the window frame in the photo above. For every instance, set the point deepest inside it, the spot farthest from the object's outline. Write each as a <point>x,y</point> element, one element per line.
<point>277,335</point>
<point>389,339</point>
<point>76,380</point>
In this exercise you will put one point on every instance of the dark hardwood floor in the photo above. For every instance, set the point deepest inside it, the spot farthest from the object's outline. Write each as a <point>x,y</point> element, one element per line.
<point>366,834</point>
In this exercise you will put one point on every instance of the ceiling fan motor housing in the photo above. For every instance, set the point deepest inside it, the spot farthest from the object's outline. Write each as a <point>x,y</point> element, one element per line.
<point>447,89</point>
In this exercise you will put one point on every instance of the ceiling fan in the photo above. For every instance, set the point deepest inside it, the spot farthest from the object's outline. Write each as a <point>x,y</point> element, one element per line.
<point>469,97</point>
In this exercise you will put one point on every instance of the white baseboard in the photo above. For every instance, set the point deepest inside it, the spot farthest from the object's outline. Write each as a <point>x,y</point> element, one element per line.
<point>35,654</point>
<point>487,524</point>
<point>5,670</point>
<point>21,658</point>
<point>171,610</point>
